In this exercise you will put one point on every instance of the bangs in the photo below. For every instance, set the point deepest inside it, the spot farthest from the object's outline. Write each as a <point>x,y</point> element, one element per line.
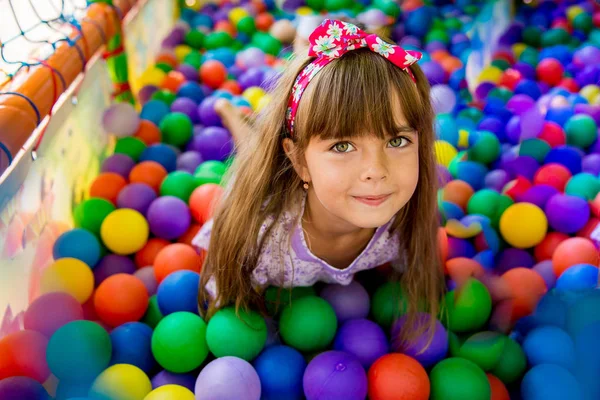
<point>345,100</point>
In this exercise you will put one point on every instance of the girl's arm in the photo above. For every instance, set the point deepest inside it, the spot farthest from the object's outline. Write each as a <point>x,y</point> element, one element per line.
<point>234,120</point>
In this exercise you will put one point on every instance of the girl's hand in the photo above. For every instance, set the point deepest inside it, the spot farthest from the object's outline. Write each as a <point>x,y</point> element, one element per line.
<point>234,120</point>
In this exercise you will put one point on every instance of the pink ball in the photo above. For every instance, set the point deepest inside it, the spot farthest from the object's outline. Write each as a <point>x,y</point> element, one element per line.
<point>148,278</point>
<point>51,311</point>
<point>121,119</point>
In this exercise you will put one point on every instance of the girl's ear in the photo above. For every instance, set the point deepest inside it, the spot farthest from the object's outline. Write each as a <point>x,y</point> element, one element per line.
<point>295,155</point>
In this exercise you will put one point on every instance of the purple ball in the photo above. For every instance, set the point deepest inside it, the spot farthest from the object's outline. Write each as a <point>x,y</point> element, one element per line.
<point>546,271</point>
<point>483,89</point>
<point>207,114</point>
<point>434,46</point>
<point>252,77</point>
<point>591,164</point>
<point>187,107</point>
<point>137,196</point>
<point>148,278</point>
<point>587,55</point>
<point>527,71</point>
<point>213,143</point>
<point>590,75</point>
<point>169,217</point>
<point>165,377</point>
<point>363,339</point>
<point>118,163</point>
<point>145,93</point>
<point>497,179</point>
<point>567,214</point>
<point>492,124</point>
<point>112,264</point>
<point>189,161</point>
<point>434,72</point>
<point>519,103</point>
<point>538,195</point>
<point>513,129</point>
<point>348,301</point>
<point>513,258</point>
<point>190,72</point>
<point>410,41</point>
<point>335,375</point>
<point>522,165</point>
<point>22,388</point>
<point>419,350</point>
<point>228,378</point>
<point>398,32</point>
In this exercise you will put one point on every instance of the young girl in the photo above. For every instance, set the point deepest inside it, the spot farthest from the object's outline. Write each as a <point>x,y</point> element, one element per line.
<point>337,176</point>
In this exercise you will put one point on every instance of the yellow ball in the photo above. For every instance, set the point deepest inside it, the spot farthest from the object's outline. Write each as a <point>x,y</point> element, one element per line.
<point>444,152</point>
<point>181,51</point>
<point>304,10</point>
<point>463,138</point>
<point>523,225</point>
<point>68,275</point>
<point>262,103</point>
<point>236,14</point>
<point>153,76</point>
<point>121,382</point>
<point>589,92</point>
<point>573,12</point>
<point>253,95</point>
<point>518,48</point>
<point>170,392</point>
<point>124,231</point>
<point>490,74</point>
<point>595,100</point>
<point>195,5</point>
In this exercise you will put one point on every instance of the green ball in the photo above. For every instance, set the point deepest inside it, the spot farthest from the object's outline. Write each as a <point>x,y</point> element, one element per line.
<point>266,43</point>
<point>501,93</point>
<point>486,148</point>
<point>131,146</point>
<point>529,56</point>
<point>90,213</point>
<point>583,22</point>
<point>471,113</point>
<point>532,36</point>
<point>594,37</point>
<point>501,64</point>
<point>153,314</point>
<point>490,203</point>
<point>453,24</point>
<point>459,379</point>
<point>176,129</point>
<point>194,59</point>
<point>214,166</point>
<point>166,68</point>
<point>165,96</point>
<point>483,348</point>
<point>581,130</point>
<point>195,39</point>
<point>438,35</point>
<point>534,148</point>
<point>277,298</point>
<point>230,335</point>
<point>388,303</point>
<point>207,176</point>
<point>308,324</point>
<point>180,184</point>
<point>389,7</point>
<point>246,25</point>
<point>216,40</point>
<point>583,185</point>
<point>512,363</point>
<point>468,307</point>
<point>179,342</point>
<point>554,37</point>
<point>317,5</point>
<point>337,5</point>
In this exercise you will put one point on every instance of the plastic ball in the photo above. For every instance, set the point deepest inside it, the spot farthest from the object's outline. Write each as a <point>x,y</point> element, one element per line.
<point>309,324</point>
<point>549,345</point>
<point>176,257</point>
<point>280,369</point>
<point>213,143</point>
<point>149,173</point>
<point>482,348</point>
<point>363,339</point>
<point>489,203</point>
<point>229,335</point>
<point>22,353</point>
<point>228,378</point>
<point>189,161</point>
<point>398,376</point>
<point>578,277</point>
<point>112,264</point>
<point>120,119</point>
<point>176,129</point>
<point>136,196</point>
<point>204,200</point>
<point>79,244</point>
<point>121,298</point>
<point>335,374</point>
<point>213,73</point>
<point>22,388</point>
<point>567,214</point>
<point>131,146</point>
<point>168,217</point>
<point>388,303</point>
<point>512,363</point>
<point>186,106</point>
<point>51,311</point>
<point>550,71</point>
<point>131,343</point>
<point>90,214</point>
<point>468,308</point>
<point>348,301</point>
<point>555,175</point>
<point>165,377</point>
<point>146,275</point>
<point>444,152</point>
<point>107,186</point>
<point>79,350</point>
<point>179,342</point>
<point>124,231</point>
<point>148,133</point>
<point>547,381</point>
<point>161,154</point>
<point>568,156</point>
<point>119,164</point>
<point>581,131</point>
<point>178,184</point>
<point>457,378</point>
<point>427,354</point>
<point>523,225</point>
<point>179,292</point>
<point>68,275</point>
<point>584,185</point>
<point>153,315</point>
<point>485,149</point>
<point>574,251</point>
<point>146,255</point>
<point>121,382</point>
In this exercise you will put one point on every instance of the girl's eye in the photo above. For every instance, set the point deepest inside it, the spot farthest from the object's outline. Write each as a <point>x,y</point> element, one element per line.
<point>342,147</point>
<point>399,141</point>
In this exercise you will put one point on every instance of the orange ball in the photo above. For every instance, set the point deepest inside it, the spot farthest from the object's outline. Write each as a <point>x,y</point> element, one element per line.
<point>545,249</point>
<point>173,81</point>
<point>190,234</point>
<point>573,251</point>
<point>439,55</point>
<point>204,200</point>
<point>148,133</point>
<point>499,391</point>
<point>397,376</point>
<point>259,5</point>
<point>526,288</point>
<point>461,268</point>
<point>451,64</point>
<point>107,185</point>
<point>232,87</point>
<point>147,254</point>
<point>121,298</point>
<point>167,58</point>
<point>176,257</point>
<point>225,26</point>
<point>23,353</point>
<point>458,192</point>
<point>264,21</point>
<point>149,172</point>
<point>442,238</point>
<point>213,73</point>
<point>553,174</point>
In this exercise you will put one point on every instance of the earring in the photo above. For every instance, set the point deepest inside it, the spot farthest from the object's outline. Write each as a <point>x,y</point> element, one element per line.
<point>305,186</point>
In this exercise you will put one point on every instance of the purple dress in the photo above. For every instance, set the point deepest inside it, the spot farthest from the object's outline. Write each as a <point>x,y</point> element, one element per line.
<point>286,260</point>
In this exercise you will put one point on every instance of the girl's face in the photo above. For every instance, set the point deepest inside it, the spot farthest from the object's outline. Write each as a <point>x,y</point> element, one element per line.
<point>362,182</point>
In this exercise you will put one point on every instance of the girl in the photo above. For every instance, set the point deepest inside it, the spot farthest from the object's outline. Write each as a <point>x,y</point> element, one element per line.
<point>337,176</point>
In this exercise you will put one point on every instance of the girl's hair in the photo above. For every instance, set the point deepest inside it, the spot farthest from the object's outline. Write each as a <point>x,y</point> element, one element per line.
<point>353,95</point>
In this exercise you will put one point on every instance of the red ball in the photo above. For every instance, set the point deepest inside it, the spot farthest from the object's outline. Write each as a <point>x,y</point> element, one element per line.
<point>397,376</point>
<point>574,251</point>
<point>545,249</point>
<point>23,353</point>
<point>264,21</point>
<point>570,84</point>
<point>121,298</point>
<point>553,134</point>
<point>173,81</point>
<point>176,257</point>
<point>517,187</point>
<point>510,78</point>
<point>596,20</point>
<point>550,71</point>
<point>555,175</point>
<point>204,200</point>
<point>213,73</point>
<point>147,254</point>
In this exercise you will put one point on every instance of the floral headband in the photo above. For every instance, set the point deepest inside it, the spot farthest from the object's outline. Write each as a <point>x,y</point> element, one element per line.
<point>331,40</point>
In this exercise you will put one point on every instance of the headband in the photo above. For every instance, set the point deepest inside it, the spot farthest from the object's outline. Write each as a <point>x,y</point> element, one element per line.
<point>332,39</point>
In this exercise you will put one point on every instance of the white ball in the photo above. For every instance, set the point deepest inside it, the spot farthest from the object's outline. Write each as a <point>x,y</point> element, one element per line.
<point>121,120</point>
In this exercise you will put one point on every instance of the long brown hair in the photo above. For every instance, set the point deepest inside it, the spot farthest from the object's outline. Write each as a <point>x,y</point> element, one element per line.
<point>350,96</point>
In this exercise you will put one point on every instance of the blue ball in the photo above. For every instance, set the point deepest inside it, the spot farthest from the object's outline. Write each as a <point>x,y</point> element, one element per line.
<point>550,382</point>
<point>22,388</point>
<point>223,94</point>
<point>280,369</point>
<point>486,259</point>
<point>202,20</point>
<point>560,115</point>
<point>179,292</point>
<point>447,129</point>
<point>578,277</point>
<point>450,211</point>
<point>80,244</point>
<point>551,311</point>
<point>473,173</point>
<point>528,87</point>
<point>587,349</point>
<point>193,91</point>
<point>566,155</point>
<point>155,111</point>
<point>162,154</point>
<point>239,101</point>
<point>419,21</point>
<point>550,345</point>
<point>132,344</point>
<point>224,55</point>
